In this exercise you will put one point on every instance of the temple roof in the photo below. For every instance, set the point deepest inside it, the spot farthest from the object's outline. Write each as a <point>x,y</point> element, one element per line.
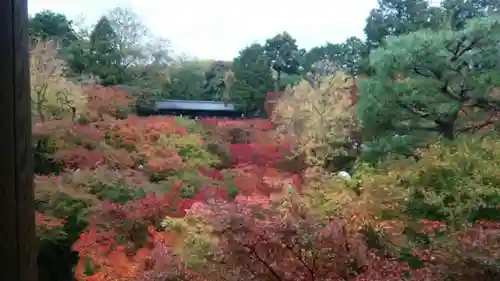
<point>194,105</point>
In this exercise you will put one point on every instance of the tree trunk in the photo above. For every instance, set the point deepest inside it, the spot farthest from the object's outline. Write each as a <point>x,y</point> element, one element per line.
<point>277,84</point>
<point>447,130</point>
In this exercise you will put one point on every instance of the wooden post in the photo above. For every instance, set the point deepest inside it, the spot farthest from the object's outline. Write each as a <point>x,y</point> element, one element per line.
<point>17,226</point>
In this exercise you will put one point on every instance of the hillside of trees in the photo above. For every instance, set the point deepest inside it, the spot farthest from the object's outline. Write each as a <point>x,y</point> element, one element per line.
<point>410,113</point>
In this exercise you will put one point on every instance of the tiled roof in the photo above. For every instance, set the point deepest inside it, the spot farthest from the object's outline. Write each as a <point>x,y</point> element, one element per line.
<point>194,105</point>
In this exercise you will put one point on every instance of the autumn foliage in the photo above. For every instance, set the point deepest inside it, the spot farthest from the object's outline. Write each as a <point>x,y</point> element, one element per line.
<point>320,119</point>
<point>163,198</point>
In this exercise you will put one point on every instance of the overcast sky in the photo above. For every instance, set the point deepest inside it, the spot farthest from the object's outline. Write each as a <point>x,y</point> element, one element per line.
<point>218,29</point>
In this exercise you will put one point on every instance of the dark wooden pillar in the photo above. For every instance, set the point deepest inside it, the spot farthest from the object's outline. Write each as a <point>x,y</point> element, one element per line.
<point>17,226</point>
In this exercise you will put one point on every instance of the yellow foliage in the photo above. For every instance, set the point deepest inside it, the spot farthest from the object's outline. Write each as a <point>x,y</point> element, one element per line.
<point>190,147</point>
<point>360,201</point>
<point>52,95</point>
<point>320,119</point>
<point>455,183</point>
<point>326,193</point>
<point>192,239</point>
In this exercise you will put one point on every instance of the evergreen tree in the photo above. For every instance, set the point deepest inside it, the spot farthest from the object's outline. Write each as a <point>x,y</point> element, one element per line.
<point>398,17</point>
<point>429,84</point>
<point>283,56</point>
<point>48,25</point>
<point>105,58</point>
<point>253,80</point>
<point>459,11</point>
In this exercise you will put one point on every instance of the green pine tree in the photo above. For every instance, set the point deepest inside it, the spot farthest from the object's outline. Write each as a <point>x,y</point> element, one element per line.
<point>252,80</point>
<point>105,58</point>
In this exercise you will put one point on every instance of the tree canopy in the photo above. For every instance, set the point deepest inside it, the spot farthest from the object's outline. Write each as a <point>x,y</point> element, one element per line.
<point>410,112</point>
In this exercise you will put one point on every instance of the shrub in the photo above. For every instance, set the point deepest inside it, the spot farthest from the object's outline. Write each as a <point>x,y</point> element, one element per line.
<point>439,211</point>
<point>109,185</point>
<point>59,198</point>
<point>190,148</point>
<point>48,228</point>
<point>106,101</point>
<point>452,182</point>
<point>255,239</point>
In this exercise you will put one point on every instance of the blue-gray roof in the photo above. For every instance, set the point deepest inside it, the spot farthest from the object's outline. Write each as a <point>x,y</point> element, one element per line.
<point>194,105</point>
